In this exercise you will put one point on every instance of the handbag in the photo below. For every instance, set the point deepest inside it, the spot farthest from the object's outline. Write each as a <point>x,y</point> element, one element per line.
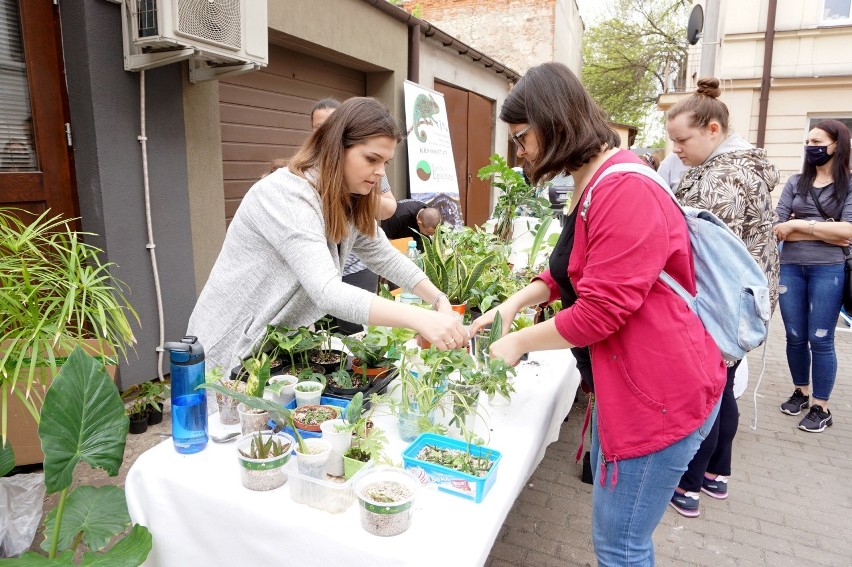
<point>847,284</point>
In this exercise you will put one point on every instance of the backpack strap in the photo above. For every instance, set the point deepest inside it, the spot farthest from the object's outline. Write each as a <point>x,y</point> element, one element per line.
<point>630,167</point>
<point>627,167</point>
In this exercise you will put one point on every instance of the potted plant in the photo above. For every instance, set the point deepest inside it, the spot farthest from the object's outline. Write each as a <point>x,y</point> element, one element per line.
<point>228,414</point>
<point>308,389</point>
<point>344,383</point>
<point>450,270</point>
<point>155,393</point>
<point>515,192</point>
<point>456,466</point>
<point>137,413</point>
<point>325,355</point>
<point>375,351</point>
<point>253,418</point>
<point>262,456</point>
<point>83,420</point>
<point>57,294</point>
<point>421,392</point>
<point>367,441</point>
<point>386,497</point>
<point>309,418</point>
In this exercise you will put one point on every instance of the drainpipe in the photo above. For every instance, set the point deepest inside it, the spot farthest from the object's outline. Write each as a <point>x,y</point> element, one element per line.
<point>414,53</point>
<point>711,34</point>
<point>768,44</point>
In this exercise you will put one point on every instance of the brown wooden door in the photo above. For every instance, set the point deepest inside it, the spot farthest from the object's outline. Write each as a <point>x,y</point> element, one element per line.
<point>35,159</point>
<point>471,119</point>
<point>266,114</point>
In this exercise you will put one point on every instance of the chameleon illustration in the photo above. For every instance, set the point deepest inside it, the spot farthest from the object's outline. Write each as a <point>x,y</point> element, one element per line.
<point>425,108</point>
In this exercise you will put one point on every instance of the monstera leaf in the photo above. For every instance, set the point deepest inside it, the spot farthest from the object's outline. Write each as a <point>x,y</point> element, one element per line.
<point>82,419</point>
<point>97,512</point>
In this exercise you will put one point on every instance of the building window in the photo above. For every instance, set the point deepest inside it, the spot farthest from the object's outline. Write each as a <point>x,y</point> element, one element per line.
<point>814,120</point>
<point>836,12</point>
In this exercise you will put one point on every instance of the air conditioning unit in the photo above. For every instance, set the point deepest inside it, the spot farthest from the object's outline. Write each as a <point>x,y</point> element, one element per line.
<point>219,37</point>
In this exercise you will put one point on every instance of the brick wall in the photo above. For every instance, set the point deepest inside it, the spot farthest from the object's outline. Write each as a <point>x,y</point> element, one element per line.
<point>518,33</point>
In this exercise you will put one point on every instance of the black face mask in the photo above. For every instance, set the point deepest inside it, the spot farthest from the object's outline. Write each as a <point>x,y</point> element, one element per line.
<point>817,155</point>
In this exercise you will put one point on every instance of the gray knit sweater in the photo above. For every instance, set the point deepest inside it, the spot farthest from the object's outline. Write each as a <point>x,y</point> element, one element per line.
<point>277,267</point>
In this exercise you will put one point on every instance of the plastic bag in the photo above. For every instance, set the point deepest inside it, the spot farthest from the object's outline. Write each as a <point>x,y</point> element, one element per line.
<point>21,504</point>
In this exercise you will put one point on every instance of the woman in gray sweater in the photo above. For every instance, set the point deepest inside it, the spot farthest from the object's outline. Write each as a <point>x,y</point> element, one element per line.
<point>283,254</point>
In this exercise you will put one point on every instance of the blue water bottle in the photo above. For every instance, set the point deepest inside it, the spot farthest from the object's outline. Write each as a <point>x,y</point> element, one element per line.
<point>189,406</point>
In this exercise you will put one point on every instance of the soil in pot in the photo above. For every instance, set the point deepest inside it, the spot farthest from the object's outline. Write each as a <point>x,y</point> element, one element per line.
<point>310,417</point>
<point>329,359</point>
<point>359,384</point>
<point>386,499</point>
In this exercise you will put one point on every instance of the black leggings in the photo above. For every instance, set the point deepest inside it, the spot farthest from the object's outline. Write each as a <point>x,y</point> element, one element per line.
<point>714,454</point>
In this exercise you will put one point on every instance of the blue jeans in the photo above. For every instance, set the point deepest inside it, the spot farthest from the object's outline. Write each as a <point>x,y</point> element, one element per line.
<point>624,516</point>
<point>810,299</point>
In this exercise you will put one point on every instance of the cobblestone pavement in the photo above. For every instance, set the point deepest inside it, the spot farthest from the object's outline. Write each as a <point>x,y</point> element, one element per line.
<point>790,492</point>
<point>789,502</point>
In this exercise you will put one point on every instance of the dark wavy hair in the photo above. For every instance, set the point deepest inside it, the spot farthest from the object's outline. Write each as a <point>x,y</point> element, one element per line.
<point>839,133</point>
<point>571,128</point>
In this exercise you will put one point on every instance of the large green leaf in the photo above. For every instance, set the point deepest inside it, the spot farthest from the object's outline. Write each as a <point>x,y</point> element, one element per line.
<point>98,512</point>
<point>82,419</point>
<point>7,458</point>
<point>33,559</point>
<point>131,551</point>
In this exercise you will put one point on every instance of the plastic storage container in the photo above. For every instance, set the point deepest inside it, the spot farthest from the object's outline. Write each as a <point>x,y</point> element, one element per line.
<point>447,479</point>
<point>331,494</point>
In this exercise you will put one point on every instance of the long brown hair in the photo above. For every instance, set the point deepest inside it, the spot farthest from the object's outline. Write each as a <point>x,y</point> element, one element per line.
<point>320,160</point>
<point>570,126</point>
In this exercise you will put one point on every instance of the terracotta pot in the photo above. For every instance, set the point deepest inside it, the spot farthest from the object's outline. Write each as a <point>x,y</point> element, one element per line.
<point>301,411</point>
<point>422,343</point>
<point>460,309</point>
<point>374,374</point>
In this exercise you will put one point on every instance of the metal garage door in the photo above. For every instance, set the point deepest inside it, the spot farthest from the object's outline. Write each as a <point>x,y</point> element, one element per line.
<point>265,115</point>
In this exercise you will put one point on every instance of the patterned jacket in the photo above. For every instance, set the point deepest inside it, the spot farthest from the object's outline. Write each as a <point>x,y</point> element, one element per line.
<point>735,183</point>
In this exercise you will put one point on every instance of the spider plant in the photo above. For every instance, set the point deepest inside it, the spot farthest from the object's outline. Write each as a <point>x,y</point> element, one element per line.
<point>55,294</point>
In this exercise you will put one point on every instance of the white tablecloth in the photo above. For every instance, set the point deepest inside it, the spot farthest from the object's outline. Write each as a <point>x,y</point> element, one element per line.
<point>199,513</point>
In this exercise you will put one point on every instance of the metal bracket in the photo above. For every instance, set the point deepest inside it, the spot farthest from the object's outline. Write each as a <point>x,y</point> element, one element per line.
<point>143,61</point>
<point>200,70</point>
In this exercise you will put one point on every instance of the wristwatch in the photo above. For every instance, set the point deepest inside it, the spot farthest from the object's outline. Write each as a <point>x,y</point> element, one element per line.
<point>811,224</point>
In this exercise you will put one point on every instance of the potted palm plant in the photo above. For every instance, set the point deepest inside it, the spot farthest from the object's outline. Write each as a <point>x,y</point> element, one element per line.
<point>55,294</point>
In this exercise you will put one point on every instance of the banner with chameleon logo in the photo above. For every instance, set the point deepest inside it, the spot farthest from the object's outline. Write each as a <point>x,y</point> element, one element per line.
<point>431,167</point>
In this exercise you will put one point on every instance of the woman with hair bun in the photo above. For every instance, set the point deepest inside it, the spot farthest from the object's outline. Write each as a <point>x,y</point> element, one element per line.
<point>812,268</point>
<point>733,180</point>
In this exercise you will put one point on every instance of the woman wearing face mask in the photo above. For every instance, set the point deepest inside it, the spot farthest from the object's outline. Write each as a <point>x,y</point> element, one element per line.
<point>283,255</point>
<point>812,268</point>
<point>733,180</point>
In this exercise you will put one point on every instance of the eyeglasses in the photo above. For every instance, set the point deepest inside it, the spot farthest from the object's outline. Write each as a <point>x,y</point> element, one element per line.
<point>517,137</point>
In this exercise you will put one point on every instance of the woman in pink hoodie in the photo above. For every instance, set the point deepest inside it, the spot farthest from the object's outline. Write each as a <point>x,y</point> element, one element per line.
<point>658,374</point>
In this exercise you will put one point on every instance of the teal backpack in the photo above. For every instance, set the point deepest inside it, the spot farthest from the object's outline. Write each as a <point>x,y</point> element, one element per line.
<point>732,297</point>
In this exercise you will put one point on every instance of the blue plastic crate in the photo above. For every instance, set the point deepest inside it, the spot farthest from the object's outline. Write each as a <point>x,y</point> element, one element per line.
<point>324,401</point>
<point>447,479</point>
